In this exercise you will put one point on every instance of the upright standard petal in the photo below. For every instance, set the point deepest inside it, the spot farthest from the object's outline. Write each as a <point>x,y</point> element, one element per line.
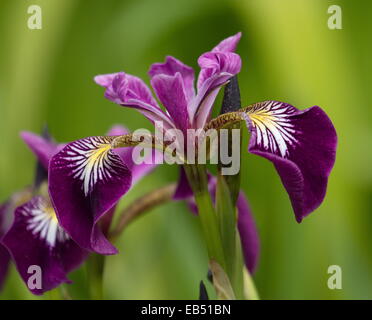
<point>130,91</point>
<point>171,93</point>
<point>170,68</point>
<point>216,69</point>
<point>248,233</point>
<point>37,242</point>
<point>229,44</point>
<point>300,144</point>
<point>86,179</point>
<point>43,148</point>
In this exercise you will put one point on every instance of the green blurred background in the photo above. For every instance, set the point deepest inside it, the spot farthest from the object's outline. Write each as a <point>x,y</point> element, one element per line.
<point>288,54</point>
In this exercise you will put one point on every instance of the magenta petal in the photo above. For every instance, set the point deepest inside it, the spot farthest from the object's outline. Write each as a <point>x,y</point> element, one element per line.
<point>248,233</point>
<point>170,68</point>
<point>4,264</point>
<point>302,147</point>
<point>117,130</point>
<point>43,148</point>
<point>36,239</point>
<point>229,44</point>
<point>131,91</point>
<point>183,190</point>
<point>86,179</point>
<point>217,69</point>
<point>214,63</point>
<point>171,93</point>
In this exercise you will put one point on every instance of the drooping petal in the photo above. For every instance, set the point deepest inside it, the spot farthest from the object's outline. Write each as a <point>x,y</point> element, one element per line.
<point>248,233</point>
<point>86,179</point>
<point>4,264</point>
<point>36,239</point>
<point>43,148</point>
<point>171,93</point>
<point>217,69</point>
<point>300,144</point>
<point>170,68</point>
<point>131,91</point>
<point>4,255</point>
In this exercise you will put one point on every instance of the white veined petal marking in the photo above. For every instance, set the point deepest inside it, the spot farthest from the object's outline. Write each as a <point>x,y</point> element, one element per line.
<point>91,160</point>
<point>42,222</point>
<point>274,129</point>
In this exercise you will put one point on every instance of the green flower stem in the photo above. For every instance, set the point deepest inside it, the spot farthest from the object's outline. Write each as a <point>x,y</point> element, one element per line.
<point>95,264</point>
<point>197,176</point>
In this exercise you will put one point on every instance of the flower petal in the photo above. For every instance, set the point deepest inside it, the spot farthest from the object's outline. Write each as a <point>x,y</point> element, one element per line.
<point>217,69</point>
<point>170,68</point>
<point>36,239</point>
<point>300,144</point>
<point>4,264</point>
<point>248,233</point>
<point>229,44</point>
<point>4,255</point>
<point>130,91</point>
<point>86,179</point>
<point>171,93</point>
<point>43,148</point>
<point>183,190</point>
<point>117,130</point>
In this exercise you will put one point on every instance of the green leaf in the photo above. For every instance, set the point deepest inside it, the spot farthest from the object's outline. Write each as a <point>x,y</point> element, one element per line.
<point>226,215</point>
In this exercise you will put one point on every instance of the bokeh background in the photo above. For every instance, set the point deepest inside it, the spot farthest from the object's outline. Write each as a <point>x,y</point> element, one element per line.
<point>288,53</point>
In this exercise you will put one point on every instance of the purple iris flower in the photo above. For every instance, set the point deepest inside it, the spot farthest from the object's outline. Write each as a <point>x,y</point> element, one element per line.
<point>86,180</point>
<point>89,176</point>
<point>35,238</point>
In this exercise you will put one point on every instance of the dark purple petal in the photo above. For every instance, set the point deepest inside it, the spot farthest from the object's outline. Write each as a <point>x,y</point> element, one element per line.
<point>43,148</point>
<point>4,264</point>
<point>183,190</point>
<point>86,179</point>
<point>229,44</point>
<point>170,68</point>
<point>4,255</point>
<point>171,93</point>
<point>248,233</point>
<point>217,69</point>
<point>130,91</point>
<point>300,144</point>
<point>36,239</point>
